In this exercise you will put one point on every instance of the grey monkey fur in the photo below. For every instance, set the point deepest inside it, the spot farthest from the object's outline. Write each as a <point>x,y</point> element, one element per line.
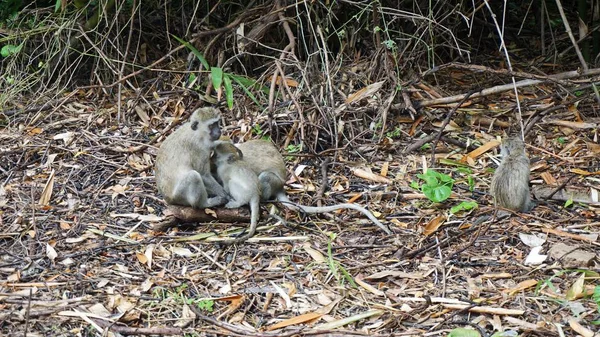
<point>265,160</point>
<point>510,183</point>
<point>182,166</point>
<point>239,181</point>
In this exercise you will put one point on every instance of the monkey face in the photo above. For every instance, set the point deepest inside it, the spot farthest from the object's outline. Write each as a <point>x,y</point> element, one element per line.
<point>215,131</point>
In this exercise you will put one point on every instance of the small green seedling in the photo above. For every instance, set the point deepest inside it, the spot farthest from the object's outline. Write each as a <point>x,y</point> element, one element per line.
<point>463,206</point>
<point>437,186</point>
<point>206,305</point>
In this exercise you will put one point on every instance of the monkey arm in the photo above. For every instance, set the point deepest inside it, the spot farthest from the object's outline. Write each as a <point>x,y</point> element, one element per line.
<point>212,186</point>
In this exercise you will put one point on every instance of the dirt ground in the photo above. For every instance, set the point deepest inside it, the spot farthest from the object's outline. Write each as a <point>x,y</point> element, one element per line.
<point>80,253</point>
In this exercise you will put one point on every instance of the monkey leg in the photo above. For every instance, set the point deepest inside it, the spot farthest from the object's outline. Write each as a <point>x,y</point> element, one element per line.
<point>235,204</point>
<point>190,191</point>
<point>270,185</point>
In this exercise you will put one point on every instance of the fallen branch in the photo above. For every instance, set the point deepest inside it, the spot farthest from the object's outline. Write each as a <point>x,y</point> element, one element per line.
<point>505,87</point>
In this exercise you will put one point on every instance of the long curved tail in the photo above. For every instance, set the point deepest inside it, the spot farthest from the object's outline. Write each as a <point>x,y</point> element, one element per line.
<point>254,216</point>
<point>314,210</point>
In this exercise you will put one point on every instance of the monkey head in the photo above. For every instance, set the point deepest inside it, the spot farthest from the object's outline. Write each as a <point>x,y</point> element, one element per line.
<point>208,119</point>
<point>512,145</point>
<point>226,152</point>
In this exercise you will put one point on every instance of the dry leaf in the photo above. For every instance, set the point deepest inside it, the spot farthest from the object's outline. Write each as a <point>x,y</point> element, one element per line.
<point>361,173</point>
<point>308,317</point>
<point>359,280</point>
<point>434,224</point>
<point>315,254</point>
<point>522,286</point>
<point>50,252</point>
<point>367,91</point>
<point>47,192</point>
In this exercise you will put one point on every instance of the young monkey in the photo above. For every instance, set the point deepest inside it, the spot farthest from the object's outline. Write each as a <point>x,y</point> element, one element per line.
<point>510,184</point>
<point>239,181</point>
<point>264,159</point>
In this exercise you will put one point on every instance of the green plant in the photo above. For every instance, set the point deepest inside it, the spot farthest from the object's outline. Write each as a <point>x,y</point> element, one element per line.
<point>397,132</point>
<point>257,130</point>
<point>220,78</point>
<point>206,304</point>
<point>335,267</point>
<point>9,9</point>
<point>464,206</point>
<point>437,186</point>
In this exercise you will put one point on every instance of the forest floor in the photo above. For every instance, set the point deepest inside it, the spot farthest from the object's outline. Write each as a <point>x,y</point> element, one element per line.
<point>80,253</point>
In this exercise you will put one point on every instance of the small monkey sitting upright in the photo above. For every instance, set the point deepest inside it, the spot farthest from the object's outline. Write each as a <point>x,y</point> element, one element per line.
<point>183,162</point>
<point>239,181</point>
<point>510,184</point>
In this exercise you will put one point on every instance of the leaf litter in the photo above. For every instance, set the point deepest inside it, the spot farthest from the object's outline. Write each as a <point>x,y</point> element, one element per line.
<point>80,250</point>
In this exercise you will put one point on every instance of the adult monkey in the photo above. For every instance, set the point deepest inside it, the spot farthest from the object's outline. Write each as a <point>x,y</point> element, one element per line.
<point>183,162</point>
<point>264,159</point>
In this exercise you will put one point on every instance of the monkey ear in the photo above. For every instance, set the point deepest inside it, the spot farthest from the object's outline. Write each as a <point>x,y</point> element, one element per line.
<point>239,152</point>
<point>195,126</point>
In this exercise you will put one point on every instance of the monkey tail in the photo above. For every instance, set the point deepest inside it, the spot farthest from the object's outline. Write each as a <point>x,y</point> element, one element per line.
<point>254,216</point>
<point>313,210</point>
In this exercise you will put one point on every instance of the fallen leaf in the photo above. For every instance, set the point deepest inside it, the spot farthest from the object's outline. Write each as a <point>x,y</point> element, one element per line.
<point>47,192</point>
<point>361,173</point>
<point>308,317</point>
<point>434,224</point>
<point>367,91</point>
<point>50,252</point>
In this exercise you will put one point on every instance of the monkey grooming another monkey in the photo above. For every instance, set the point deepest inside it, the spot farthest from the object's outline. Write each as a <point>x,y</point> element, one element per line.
<point>239,181</point>
<point>264,159</point>
<point>183,162</point>
<point>510,184</point>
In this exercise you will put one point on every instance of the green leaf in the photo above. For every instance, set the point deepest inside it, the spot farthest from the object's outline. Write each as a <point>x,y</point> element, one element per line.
<point>464,332</point>
<point>569,202</point>
<point>206,305</point>
<point>228,91</point>
<point>217,77</point>
<point>437,193</point>
<point>10,49</point>
<point>437,187</point>
<point>195,51</point>
<point>57,6</point>
<point>240,80</point>
<point>463,206</point>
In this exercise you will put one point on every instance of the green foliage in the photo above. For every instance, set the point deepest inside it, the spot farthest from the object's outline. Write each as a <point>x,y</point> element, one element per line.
<point>464,206</point>
<point>206,305</point>
<point>335,267</point>
<point>219,77</point>
<point>257,130</point>
<point>464,332</point>
<point>569,202</point>
<point>293,148</point>
<point>561,140</point>
<point>9,10</point>
<point>10,49</point>
<point>437,186</point>
<point>396,133</point>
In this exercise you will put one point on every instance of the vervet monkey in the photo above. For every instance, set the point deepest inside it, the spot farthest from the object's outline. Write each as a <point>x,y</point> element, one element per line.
<point>239,181</point>
<point>510,184</point>
<point>264,159</point>
<point>183,162</point>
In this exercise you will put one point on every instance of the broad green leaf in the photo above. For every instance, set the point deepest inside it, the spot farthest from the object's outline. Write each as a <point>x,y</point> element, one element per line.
<point>217,77</point>
<point>10,49</point>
